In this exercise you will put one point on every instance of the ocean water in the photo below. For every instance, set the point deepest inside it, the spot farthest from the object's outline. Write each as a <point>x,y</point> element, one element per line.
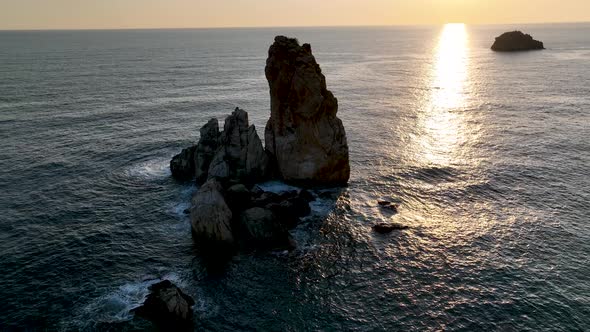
<point>488,155</point>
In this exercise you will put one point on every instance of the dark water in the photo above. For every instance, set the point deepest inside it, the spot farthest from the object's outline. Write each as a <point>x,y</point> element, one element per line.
<point>487,153</point>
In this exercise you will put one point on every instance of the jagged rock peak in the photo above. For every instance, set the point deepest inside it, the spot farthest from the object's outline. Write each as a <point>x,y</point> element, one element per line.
<point>303,135</point>
<point>182,165</point>
<point>234,155</point>
<point>206,148</point>
<point>240,156</point>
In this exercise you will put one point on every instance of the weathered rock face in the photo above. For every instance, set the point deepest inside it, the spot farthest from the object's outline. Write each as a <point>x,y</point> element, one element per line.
<point>240,156</point>
<point>167,306</point>
<point>211,217</point>
<point>516,41</point>
<point>205,149</point>
<point>183,165</point>
<point>234,155</point>
<point>303,133</point>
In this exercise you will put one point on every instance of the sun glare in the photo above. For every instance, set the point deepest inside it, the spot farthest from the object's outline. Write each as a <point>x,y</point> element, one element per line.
<point>451,67</point>
<point>442,125</point>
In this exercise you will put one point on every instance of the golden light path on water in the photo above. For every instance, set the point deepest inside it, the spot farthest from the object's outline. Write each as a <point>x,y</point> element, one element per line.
<point>443,126</point>
<point>442,150</point>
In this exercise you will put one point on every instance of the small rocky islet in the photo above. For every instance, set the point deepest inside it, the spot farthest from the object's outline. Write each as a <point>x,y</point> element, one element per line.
<point>168,307</point>
<point>515,41</point>
<point>306,145</point>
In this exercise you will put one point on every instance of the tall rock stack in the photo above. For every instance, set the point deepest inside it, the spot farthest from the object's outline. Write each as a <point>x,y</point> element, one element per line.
<point>303,134</point>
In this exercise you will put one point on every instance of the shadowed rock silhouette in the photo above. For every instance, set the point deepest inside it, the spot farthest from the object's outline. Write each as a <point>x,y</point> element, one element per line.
<point>516,41</point>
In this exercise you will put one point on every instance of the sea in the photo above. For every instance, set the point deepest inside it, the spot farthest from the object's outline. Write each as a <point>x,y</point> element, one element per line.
<point>487,155</point>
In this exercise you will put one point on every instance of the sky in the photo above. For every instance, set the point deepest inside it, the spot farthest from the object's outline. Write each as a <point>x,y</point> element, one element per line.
<point>121,14</point>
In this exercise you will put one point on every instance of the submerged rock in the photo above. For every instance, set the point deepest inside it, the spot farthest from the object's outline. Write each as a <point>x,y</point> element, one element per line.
<point>182,165</point>
<point>388,206</point>
<point>262,228</point>
<point>384,228</point>
<point>303,134</point>
<point>265,197</point>
<point>306,195</point>
<point>167,306</point>
<point>289,208</point>
<point>516,41</point>
<point>211,216</point>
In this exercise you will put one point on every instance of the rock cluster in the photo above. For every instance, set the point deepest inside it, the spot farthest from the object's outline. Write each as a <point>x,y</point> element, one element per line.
<point>222,218</point>
<point>234,155</point>
<point>303,135</point>
<point>168,307</point>
<point>240,156</point>
<point>516,41</point>
<point>305,143</point>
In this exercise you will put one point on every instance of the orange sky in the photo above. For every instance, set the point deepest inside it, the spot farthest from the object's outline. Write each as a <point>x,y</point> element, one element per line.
<point>106,14</point>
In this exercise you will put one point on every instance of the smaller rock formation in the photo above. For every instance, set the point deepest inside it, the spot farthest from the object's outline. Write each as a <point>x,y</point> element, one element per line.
<point>303,135</point>
<point>168,307</point>
<point>262,228</point>
<point>235,155</point>
<point>384,228</point>
<point>287,207</point>
<point>240,157</point>
<point>516,41</point>
<point>222,218</point>
<point>211,217</point>
<point>183,164</point>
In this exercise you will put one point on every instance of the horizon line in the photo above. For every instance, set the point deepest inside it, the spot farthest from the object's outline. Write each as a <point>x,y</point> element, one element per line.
<point>292,26</point>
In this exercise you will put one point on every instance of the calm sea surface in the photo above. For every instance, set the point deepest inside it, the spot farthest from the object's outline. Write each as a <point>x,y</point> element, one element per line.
<point>487,153</point>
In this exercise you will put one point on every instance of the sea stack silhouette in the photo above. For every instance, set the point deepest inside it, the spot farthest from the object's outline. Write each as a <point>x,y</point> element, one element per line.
<point>515,41</point>
<point>303,135</point>
<point>305,144</point>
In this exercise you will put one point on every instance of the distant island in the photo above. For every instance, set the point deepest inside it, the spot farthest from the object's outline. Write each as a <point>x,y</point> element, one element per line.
<point>515,41</point>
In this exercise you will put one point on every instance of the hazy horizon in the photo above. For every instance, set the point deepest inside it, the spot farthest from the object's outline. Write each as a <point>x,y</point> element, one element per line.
<point>186,14</point>
<point>296,26</point>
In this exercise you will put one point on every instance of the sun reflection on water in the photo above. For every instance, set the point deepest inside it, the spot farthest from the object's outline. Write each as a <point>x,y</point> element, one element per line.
<point>451,67</point>
<point>443,126</point>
